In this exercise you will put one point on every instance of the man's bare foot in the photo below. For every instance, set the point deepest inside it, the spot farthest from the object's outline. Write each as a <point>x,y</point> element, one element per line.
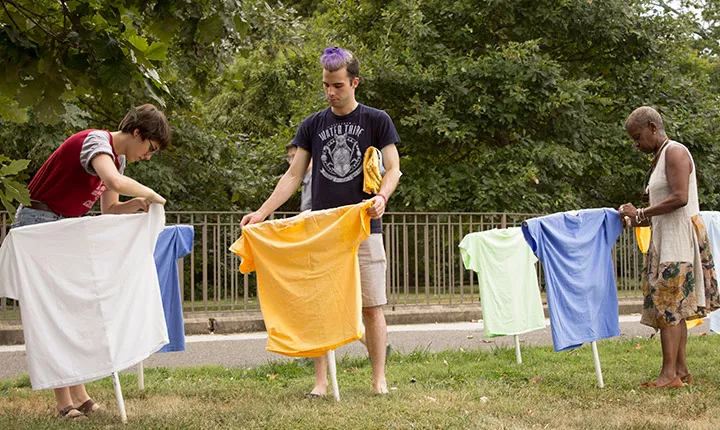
<point>317,391</point>
<point>380,388</point>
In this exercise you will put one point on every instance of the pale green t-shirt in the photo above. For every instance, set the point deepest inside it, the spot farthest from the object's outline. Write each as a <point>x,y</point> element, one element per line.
<point>509,292</point>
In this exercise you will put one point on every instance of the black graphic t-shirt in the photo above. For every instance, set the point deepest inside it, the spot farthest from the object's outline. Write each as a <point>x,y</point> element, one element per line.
<point>338,144</point>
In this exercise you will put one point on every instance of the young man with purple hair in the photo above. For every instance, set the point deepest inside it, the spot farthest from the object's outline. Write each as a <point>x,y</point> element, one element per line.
<point>336,139</point>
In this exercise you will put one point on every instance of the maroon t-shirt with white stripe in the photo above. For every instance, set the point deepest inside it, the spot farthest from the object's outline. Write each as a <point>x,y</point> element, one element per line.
<point>66,182</point>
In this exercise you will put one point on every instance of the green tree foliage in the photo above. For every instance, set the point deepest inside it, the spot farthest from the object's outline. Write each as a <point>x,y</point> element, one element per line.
<point>94,50</point>
<point>701,17</point>
<point>518,105</point>
<point>72,65</point>
<point>13,191</point>
<point>500,104</point>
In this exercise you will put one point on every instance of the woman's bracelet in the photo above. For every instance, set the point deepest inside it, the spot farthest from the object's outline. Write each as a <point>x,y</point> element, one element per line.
<point>383,196</point>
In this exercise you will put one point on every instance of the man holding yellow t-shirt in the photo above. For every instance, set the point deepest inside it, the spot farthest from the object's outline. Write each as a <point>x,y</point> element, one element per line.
<point>336,138</point>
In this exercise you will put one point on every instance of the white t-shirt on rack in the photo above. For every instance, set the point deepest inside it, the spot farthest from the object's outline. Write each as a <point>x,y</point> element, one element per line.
<point>88,292</point>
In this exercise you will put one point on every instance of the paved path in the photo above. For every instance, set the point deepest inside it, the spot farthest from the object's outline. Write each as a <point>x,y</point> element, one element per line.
<point>248,349</point>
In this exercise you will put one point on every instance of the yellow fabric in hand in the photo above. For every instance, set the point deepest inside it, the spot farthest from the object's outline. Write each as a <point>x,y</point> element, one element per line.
<point>308,278</point>
<point>643,235</point>
<point>693,322</point>
<point>371,171</point>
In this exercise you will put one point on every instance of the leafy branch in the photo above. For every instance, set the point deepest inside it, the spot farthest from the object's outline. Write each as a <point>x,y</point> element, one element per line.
<point>12,190</point>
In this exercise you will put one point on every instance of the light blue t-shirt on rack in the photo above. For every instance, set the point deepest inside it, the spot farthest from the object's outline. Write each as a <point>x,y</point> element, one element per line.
<point>575,249</point>
<point>711,219</point>
<point>174,242</point>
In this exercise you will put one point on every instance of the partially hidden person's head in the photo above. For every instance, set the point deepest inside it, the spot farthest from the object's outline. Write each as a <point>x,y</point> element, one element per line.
<point>341,75</point>
<point>645,127</point>
<point>149,127</point>
<point>291,151</point>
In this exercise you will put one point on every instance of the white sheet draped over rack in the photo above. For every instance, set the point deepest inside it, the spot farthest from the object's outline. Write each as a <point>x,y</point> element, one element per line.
<point>88,292</point>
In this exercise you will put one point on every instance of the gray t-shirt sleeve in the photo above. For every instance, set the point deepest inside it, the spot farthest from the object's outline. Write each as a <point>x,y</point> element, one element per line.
<point>121,159</point>
<point>306,193</point>
<point>97,142</point>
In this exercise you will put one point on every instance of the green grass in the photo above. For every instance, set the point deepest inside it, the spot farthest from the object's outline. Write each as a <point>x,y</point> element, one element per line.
<point>452,389</point>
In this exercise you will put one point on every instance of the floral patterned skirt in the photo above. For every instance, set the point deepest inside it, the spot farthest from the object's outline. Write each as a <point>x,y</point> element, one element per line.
<point>669,287</point>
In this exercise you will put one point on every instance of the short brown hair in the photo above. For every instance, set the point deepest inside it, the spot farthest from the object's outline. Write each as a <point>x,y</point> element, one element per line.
<point>150,122</point>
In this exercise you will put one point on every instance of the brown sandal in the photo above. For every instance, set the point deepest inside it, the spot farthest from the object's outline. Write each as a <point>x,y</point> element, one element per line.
<point>675,383</point>
<point>688,379</point>
<point>88,407</point>
<point>67,413</point>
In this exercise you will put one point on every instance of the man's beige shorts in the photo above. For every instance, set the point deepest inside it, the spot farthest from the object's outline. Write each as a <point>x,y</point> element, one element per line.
<point>373,266</point>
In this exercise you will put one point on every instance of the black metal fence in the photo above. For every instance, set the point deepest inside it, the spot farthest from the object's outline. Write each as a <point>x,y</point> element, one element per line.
<point>424,263</point>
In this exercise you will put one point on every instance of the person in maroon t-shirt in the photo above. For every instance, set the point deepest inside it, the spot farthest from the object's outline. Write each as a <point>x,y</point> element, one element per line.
<point>89,166</point>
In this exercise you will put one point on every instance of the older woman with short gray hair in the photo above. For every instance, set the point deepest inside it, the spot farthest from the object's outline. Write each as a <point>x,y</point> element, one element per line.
<point>678,280</point>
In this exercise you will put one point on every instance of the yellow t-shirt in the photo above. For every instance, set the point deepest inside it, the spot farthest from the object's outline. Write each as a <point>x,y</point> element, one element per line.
<point>642,234</point>
<point>308,278</point>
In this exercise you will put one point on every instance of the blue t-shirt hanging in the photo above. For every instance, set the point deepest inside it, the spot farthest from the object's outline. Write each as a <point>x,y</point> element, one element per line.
<point>338,144</point>
<point>575,249</point>
<point>173,242</point>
